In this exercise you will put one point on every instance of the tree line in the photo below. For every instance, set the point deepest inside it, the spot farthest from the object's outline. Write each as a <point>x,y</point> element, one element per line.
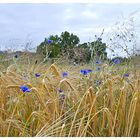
<point>55,45</point>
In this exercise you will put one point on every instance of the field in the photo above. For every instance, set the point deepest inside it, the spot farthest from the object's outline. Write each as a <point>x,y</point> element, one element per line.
<point>60,100</point>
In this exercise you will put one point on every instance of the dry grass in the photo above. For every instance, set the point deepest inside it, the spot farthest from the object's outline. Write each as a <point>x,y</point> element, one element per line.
<point>110,109</point>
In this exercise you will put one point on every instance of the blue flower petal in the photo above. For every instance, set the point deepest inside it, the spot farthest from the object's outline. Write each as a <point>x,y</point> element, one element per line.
<point>98,62</point>
<point>60,90</point>
<point>126,75</point>
<point>117,61</point>
<point>50,41</point>
<point>98,82</point>
<point>37,74</point>
<point>25,88</point>
<point>85,71</point>
<point>98,68</point>
<point>65,74</point>
<point>99,39</point>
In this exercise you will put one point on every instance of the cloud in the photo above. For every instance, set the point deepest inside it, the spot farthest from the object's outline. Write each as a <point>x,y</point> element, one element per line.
<point>89,14</point>
<point>42,20</point>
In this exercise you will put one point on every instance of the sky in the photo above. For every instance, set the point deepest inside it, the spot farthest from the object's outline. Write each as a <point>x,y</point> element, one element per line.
<point>21,23</point>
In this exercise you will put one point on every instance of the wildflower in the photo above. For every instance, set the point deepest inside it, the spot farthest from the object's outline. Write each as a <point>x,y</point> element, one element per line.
<point>65,74</point>
<point>60,91</point>
<point>99,39</point>
<point>37,74</point>
<point>98,62</point>
<point>89,70</point>
<point>126,75</point>
<point>117,61</point>
<point>50,41</point>
<point>98,82</point>
<point>62,97</point>
<point>113,54</point>
<point>85,71</point>
<point>98,68</point>
<point>25,88</point>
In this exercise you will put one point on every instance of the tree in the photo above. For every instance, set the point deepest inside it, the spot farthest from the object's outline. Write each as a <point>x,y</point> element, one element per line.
<point>50,49</point>
<point>83,45</point>
<point>69,40</point>
<point>66,40</point>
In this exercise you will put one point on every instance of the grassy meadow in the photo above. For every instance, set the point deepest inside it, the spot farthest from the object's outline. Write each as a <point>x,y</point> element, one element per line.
<point>102,103</point>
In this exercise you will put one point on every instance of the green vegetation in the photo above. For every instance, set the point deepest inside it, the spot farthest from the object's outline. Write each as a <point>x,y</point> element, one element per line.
<point>54,49</point>
<point>68,41</point>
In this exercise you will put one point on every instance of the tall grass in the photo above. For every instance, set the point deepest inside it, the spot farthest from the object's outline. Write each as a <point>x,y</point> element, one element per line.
<point>111,108</point>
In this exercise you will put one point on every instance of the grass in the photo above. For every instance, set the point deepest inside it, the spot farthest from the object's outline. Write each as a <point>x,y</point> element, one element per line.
<point>111,108</point>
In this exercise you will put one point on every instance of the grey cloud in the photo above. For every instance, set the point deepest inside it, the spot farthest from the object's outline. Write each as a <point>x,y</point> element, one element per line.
<point>41,20</point>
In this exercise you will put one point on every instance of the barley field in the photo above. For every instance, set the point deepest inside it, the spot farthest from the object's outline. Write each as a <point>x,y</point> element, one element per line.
<point>63,100</point>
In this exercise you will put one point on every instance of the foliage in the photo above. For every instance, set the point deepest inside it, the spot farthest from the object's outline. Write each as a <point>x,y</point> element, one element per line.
<point>69,40</point>
<point>98,50</point>
<point>83,45</point>
<point>66,40</point>
<point>50,50</point>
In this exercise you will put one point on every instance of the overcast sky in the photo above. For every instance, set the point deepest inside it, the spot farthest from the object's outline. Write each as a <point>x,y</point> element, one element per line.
<point>20,23</point>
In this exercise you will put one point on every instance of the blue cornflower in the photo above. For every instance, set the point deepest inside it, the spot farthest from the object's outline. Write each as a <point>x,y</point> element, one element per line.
<point>126,75</point>
<point>98,68</point>
<point>62,96</point>
<point>98,62</point>
<point>117,61</point>
<point>113,54</point>
<point>99,39</point>
<point>25,88</point>
<point>50,41</point>
<point>65,74</point>
<point>60,91</point>
<point>85,71</point>
<point>98,82</point>
<point>37,74</point>
<point>89,70</point>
